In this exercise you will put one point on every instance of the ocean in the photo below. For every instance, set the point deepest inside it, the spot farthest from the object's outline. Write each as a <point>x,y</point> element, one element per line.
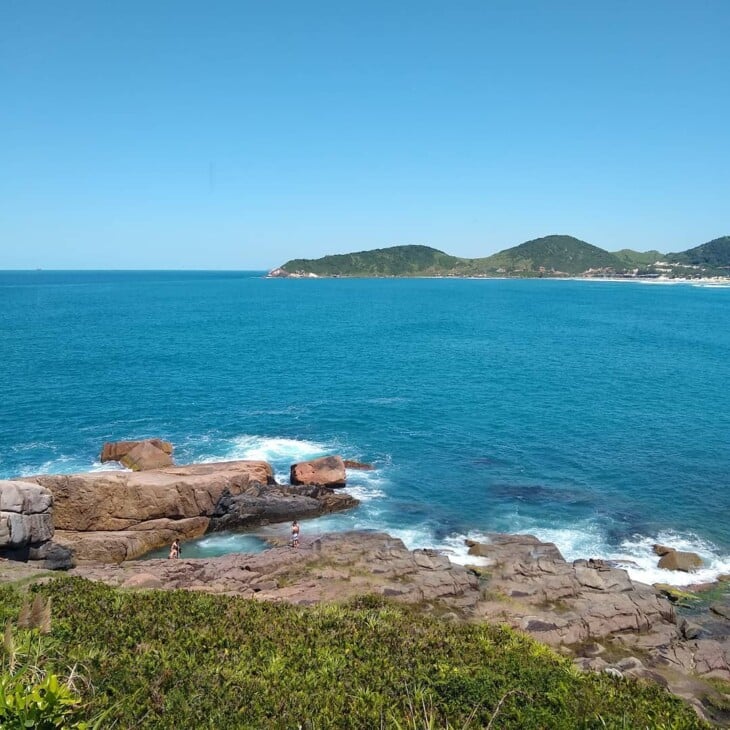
<point>592,414</point>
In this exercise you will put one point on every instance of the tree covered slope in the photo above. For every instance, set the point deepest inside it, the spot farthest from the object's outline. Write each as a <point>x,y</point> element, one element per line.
<point>394,261</point>
<point>556,255</point>
<point>713,254</point>
<point>564,254</point>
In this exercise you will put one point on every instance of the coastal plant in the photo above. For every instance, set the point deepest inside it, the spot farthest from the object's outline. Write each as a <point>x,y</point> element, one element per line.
<point>31,696</point>
<point>161,659</point>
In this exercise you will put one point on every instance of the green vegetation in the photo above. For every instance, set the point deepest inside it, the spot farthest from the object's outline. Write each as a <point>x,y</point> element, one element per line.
<point>638,259</point>
<point>713,255</point>
<point>552,254</point>
<point>547,256</point>
<point>158,659</point>
<point>395,261</point>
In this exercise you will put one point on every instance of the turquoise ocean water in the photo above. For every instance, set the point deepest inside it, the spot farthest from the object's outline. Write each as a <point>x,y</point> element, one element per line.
<point>594,414</point>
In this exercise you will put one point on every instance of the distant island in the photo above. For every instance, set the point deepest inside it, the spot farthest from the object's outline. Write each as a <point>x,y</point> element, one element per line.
<point>556,256</point>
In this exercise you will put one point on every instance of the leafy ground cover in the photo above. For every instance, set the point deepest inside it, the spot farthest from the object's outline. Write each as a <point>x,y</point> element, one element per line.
<point>158,659</point>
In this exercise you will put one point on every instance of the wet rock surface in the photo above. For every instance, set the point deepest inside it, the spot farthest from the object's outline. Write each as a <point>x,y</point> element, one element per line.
<point>678,560</point>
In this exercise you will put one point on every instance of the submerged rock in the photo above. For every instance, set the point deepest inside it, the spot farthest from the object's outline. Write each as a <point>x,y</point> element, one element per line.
<point>721,609</point>
<point>359,465</point>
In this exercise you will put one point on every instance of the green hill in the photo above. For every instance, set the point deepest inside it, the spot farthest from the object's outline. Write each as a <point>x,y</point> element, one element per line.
<point>552,254</point>
<point>638,259</point>
<point>556,255</point>
<point>394,261</point>
<point>714,254</point>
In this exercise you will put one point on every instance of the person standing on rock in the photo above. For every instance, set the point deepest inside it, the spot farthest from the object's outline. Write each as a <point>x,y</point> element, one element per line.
<point>295,534</point>
<point>175,549</point>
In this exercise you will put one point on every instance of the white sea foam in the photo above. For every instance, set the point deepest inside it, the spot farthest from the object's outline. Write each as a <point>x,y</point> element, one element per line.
<point>635,554</point>
<point>279,452</point>
<point>639,550</point>
<point>107,466</point>
<point>229,542</point>
<point>58,465</point>
<point>275,449</point>
<point>366,485</point>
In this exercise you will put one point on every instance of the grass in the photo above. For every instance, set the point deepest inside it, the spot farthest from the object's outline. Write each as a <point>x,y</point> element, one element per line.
<point>155,659</point>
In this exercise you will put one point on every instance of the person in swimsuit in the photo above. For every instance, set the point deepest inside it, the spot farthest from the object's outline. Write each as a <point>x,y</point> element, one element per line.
<point>175,549</point>
<point>295,534</point>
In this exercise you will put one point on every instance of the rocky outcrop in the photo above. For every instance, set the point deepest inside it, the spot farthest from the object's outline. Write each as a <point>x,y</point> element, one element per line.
<point>116,516</point>
<point>26,525</point>
<point>678,560</point>
<point>25,514</point>
<point>260,504</point>
<point>329,471</point>
<point>595,600</point>
<point>530,586</point>
<point>145,456</point>
<point>115,450</point>
<point>123,500</point>
<point>116,546</point>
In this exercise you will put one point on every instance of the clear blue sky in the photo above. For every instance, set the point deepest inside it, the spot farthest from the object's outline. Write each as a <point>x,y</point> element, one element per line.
<point>151,134</point>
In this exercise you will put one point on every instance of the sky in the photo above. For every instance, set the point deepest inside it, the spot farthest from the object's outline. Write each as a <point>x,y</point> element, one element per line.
<point>239,135</point>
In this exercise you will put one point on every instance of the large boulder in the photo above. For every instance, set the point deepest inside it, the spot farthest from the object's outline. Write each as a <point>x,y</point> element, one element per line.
<point>25,514</point>
<point>661,549</point>
<point>261,504</point>
<point>678,560</point>
<point>329,471</point>
<point>116,450</point>
<point>146,456</point>
<point>26,525</point>
<point>113,516</point>
<point>118,500</point>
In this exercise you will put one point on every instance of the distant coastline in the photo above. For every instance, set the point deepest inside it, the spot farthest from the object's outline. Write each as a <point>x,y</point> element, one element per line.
<point>550,257</point>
